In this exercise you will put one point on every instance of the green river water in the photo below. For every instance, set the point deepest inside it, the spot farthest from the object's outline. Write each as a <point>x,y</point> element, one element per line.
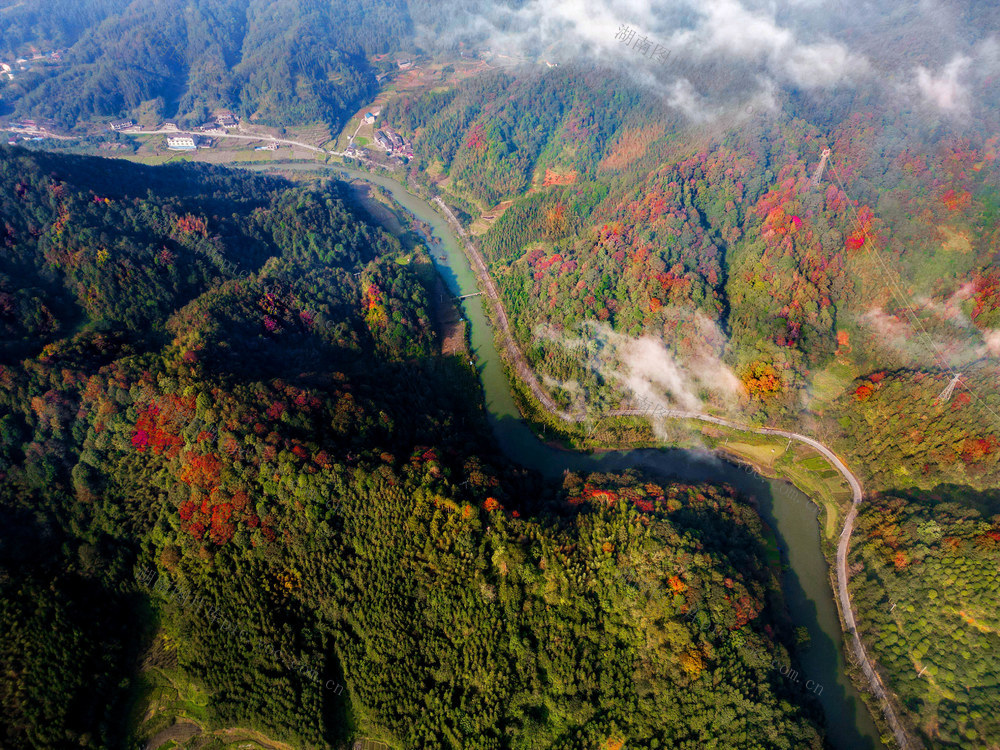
<point>792,516</point>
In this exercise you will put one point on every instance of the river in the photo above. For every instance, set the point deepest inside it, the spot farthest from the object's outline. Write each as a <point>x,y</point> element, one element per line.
<point>789,513</point>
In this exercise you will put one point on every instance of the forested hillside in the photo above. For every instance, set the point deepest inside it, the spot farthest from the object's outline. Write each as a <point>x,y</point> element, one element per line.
<point>844,297</point>
<point>239,486</point>
<point>928,599</point>
<point>27,24</point>
<point>903,435</point>
<point>242,494</point>
<point>738,243</point>
<point>276,63</point>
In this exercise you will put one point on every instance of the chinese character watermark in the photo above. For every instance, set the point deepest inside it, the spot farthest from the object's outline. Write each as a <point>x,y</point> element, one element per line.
<point>642,44</point>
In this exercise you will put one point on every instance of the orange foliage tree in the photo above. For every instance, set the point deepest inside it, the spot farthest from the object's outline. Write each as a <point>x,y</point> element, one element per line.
<point>762,380</point>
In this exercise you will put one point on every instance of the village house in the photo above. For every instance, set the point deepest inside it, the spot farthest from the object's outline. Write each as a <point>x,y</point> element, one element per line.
<point>397,142</point>
<point>227,120</point>
<point>181,143</point>
<point>369,117</point>
<point>170,125</point>
<point>119,125</point>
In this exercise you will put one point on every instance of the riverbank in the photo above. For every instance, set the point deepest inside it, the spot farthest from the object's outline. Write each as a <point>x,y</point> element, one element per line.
<point>517,363</point>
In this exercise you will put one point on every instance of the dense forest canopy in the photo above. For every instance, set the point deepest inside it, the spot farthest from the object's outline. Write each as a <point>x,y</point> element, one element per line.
<point>276,63</point>
<point>236,472</point>
<point>927,592</point>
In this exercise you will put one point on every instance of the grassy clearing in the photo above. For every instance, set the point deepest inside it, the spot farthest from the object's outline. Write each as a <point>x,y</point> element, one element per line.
<point>211,156</point>
<point>802,466</point>
<point>765,454</point>
<point>174,710</point>
<point>829,383</point>
<point>314,135</point>
<point>434,169</point>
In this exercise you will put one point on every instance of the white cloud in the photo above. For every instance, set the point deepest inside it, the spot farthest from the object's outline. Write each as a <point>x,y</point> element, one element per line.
<point>689,28</point>
<point>730,29</point>
<point>945,335</point>
<point>646,371</point>
<point>944,89</point>
<point>991,340</point>
<point>821,65</point>
<point>683,96</point>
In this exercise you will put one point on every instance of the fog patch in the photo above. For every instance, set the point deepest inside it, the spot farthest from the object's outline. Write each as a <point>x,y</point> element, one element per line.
<point>936,334</point>
<point>646,373</point>
<point>944,89</point>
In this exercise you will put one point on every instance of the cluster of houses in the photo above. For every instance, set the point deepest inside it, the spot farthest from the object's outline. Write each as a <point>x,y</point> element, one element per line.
<point>223,120</point>
<point>26,130</point>
<point>386,139</point>
<point>118,126</point>
<point>23,64</point>
<point>16,138</point>
<point>392,142</point>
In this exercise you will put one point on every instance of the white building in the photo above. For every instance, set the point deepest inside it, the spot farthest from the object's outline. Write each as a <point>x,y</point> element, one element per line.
<point>181,143</point>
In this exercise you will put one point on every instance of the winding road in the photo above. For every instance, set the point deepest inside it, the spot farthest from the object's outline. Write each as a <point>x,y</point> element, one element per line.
<point>527,375</point>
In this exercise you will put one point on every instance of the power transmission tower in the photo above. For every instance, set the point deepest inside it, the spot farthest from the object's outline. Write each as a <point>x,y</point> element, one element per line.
<point>949,389</point>
<point>818,174</point>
